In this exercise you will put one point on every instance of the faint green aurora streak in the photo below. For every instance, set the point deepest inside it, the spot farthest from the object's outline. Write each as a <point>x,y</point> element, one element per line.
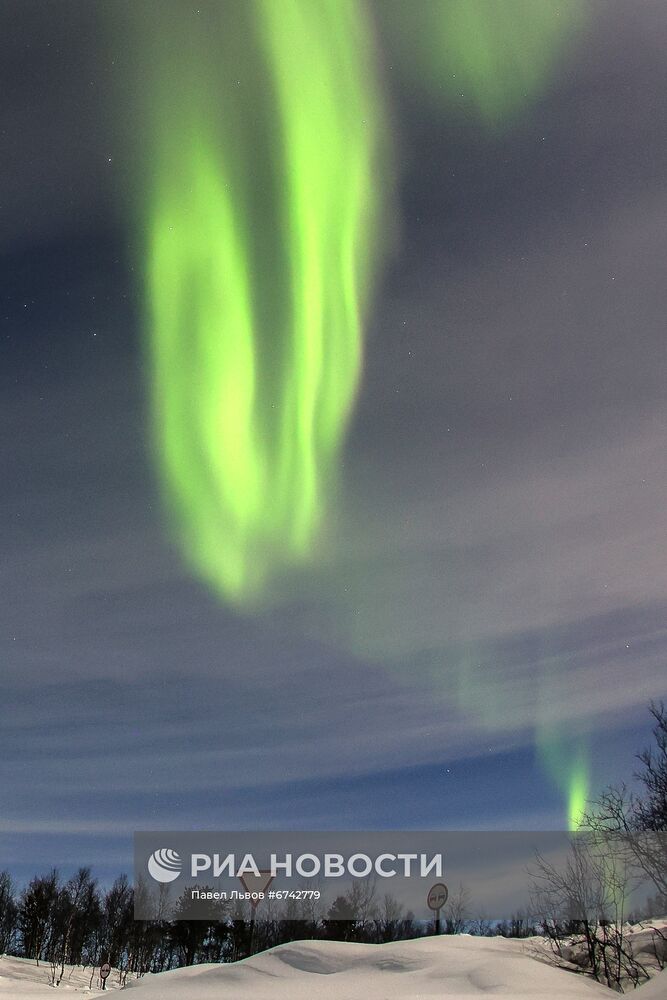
<point>491,57</point>
<point>561,741</point>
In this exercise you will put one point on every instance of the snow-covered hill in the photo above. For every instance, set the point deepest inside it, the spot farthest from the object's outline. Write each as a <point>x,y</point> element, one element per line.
<point>456,967</point>
<point>452,967</point>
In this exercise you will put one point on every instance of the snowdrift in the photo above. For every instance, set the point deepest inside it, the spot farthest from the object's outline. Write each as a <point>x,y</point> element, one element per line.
<point>452,967</point>
<point>329,970</point>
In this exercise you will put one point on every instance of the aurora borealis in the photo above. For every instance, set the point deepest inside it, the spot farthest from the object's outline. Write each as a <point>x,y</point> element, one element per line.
<point>262,240</point>
<point>256,321</point>
<point>257,305</point>
<point>334,396</point>
<point>263,234</point>
<point>495,57</point>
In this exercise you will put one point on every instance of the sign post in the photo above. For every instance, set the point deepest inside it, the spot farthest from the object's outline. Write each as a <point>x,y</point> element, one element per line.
<point>436,899</point>
<point>255,883</point>
<point>105,971</point>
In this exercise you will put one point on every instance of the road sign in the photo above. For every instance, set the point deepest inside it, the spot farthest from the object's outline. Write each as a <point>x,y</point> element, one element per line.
<point>105,970</point>
<point>437,896</point>
<point>256,883</point>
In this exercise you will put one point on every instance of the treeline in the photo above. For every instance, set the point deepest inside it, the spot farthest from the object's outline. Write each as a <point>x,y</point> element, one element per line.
<point>71,922</point>
<point>76,922</point>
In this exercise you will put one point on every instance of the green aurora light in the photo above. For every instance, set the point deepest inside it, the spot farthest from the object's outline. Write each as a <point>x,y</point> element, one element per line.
<point>266,178</point>
<point>262,227</point>
<point>567,762</point>
<point>491,57</point>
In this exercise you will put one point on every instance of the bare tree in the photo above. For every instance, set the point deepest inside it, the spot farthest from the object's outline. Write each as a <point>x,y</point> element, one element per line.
<point>456,911</point>
<point>580,903</point>
<point>8,913</point>
<point>36,912</point>
<point>638,822</point>
<point>390,924</point>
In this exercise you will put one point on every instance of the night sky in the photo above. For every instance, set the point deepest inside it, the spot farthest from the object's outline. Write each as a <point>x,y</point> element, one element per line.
<point>494,561</point>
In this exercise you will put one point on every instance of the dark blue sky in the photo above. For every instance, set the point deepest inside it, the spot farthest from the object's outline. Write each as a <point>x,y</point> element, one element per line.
<point>497,566</point>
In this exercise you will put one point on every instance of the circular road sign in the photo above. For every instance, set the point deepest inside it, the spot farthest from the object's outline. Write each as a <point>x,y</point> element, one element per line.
<point>105,970</point>
<point>437,896</point>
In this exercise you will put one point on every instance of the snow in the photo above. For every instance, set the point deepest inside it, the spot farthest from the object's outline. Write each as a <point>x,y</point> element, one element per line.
<point>453,967</point>
<point>23,979</point>
<point>456,967</point>
<point>656,989</point>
